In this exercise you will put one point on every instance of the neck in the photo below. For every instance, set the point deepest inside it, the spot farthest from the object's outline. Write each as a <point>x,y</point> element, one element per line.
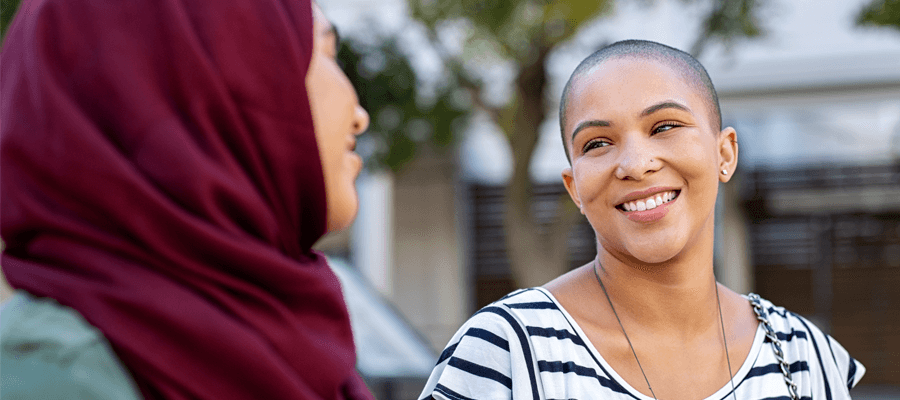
<point>678,296</point>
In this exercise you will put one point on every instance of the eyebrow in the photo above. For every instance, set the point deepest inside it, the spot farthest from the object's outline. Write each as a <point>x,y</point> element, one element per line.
<point>666,104</point>
<point>647,111</point>
<point>588,124</point>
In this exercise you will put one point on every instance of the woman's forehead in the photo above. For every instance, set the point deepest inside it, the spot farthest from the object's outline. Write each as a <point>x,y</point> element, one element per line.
<point>632,84</point>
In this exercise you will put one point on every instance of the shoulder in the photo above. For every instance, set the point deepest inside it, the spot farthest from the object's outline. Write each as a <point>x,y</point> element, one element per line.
<point>515,312</point>
<point>50,352</point>
<point>830,367</point>
<point>504,325</point>
<point>492,350</point>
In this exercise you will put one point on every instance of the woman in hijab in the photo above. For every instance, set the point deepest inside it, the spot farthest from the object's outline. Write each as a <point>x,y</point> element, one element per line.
<point>166,167</point>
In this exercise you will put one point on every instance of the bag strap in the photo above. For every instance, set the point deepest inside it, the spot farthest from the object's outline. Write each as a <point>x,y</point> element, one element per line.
<point>763,316</point>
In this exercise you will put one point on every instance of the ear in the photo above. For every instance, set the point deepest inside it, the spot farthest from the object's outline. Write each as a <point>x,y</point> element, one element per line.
<point>728,153</point>
<point>569,182</point>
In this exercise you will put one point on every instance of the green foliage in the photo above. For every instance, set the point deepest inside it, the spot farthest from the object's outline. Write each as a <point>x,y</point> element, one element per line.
<point>7,11</point>
<point>402,120</point>
<point>729,21</point>
<point>511,27</point>
<point>880,13</point>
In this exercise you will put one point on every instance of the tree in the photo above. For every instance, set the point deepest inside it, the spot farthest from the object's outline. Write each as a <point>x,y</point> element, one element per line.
<point>402,118</point>
<point>523,33</point>
<point>880,13</point>
<point>7,10</point>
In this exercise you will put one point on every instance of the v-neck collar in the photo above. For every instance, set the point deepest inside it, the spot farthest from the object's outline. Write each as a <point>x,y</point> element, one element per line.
<point>598,358</point>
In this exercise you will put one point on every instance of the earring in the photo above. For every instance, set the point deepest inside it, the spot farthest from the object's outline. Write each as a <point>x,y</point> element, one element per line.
<point>724,171</point>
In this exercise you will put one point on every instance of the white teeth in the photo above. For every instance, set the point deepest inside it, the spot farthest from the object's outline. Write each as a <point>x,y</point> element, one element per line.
<point>649,203</point>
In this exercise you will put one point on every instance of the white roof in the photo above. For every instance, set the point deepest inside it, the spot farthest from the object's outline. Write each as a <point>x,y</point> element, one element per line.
<point>386,346</point>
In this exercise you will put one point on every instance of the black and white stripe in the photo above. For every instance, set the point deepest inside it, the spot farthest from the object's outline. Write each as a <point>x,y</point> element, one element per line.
<point>526,346</point>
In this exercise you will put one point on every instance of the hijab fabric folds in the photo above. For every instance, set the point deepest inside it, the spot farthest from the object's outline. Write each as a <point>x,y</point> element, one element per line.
<point>159,174</point>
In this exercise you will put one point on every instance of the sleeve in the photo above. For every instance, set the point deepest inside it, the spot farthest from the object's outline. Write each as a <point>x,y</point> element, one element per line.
<point>489,357</point>
<point>31,371</point>
<point>848,367</point>
<point>832,370</point>
<point>48,353</point>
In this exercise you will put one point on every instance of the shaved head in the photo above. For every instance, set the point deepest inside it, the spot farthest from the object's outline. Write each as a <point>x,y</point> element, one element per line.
<point>689,68</point>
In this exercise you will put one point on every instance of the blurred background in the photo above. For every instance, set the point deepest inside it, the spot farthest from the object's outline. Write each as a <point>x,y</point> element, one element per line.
<point>462,200</point>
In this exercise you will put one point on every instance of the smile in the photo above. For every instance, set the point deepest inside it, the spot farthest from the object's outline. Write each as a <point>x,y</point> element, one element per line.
<point>649,202</point>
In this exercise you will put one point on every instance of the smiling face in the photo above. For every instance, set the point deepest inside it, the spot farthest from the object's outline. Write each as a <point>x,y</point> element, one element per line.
<point>337,118</point>
<point>639,135</point>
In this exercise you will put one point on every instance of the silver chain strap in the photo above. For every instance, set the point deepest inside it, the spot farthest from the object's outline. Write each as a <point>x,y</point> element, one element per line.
<point>763,316</point>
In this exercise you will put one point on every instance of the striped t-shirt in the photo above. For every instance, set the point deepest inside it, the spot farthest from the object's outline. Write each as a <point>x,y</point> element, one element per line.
<point>526,346</point>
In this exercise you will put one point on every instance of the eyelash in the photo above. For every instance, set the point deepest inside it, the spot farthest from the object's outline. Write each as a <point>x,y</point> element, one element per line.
<point>670,124</point>
<point>595,143</point>
<point>590,145</point>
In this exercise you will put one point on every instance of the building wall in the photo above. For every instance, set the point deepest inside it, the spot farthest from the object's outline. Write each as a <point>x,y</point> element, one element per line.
<point>430,284</point>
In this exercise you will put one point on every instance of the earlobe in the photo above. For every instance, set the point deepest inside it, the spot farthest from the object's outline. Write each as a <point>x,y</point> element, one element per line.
<point>728,153</point>
<point>569,183</point>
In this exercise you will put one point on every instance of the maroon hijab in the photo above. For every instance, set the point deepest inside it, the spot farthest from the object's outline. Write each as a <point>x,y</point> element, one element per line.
<point>159,174</point>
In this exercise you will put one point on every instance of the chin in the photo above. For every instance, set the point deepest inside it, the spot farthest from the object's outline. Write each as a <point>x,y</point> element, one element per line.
<point>342,213</point>
<point>339,224</point>
<point>655,250</point>
<point>653,256</point>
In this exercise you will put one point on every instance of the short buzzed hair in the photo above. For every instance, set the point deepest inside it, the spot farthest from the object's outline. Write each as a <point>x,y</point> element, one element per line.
<point>691,70</point>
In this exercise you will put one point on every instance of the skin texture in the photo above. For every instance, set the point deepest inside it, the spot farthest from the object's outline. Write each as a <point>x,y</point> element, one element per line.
<point>659,275</point>
<point>338,119</point>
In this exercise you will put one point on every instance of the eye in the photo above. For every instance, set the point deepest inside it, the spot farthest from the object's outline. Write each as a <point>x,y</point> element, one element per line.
<point>594,143</point>
<point>666,126</point>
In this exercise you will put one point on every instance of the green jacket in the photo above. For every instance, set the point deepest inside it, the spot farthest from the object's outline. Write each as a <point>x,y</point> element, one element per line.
<point>50,352</point>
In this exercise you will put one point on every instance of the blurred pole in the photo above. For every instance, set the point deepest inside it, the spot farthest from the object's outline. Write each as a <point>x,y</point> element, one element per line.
<point>822,290</point>
<point>732,256</point>
<point>372,235</point>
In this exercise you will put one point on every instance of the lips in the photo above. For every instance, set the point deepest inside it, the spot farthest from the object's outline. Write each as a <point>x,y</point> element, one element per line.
<point>648,205</point>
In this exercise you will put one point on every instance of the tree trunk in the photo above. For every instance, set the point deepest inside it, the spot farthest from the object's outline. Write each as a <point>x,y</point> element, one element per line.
<point>535,258</point>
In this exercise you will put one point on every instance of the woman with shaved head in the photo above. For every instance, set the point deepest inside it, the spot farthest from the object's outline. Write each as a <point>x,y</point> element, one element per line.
<point>646,318</point>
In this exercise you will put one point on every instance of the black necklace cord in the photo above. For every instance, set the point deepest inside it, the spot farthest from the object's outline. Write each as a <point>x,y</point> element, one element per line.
<point>597,264</point>
<point>725,340</point>
<point>619,320</point>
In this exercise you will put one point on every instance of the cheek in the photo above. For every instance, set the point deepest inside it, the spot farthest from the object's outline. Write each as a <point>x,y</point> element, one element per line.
<point>699,166</point>
<point>591,178</point>
<point>329,100</point>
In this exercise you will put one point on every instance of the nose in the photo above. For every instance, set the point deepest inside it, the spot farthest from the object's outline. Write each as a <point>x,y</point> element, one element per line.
<point>360,120</point>
<point>637,159</point>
